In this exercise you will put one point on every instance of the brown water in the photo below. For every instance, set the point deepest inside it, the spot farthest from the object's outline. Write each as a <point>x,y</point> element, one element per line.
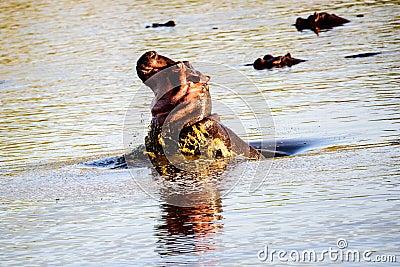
<point>67,79</point>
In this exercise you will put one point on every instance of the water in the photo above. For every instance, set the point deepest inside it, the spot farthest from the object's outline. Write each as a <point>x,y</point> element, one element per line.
<point>67,79</point>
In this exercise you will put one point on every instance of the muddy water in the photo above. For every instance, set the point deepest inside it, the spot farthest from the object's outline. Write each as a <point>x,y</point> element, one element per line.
<point>67,79</point>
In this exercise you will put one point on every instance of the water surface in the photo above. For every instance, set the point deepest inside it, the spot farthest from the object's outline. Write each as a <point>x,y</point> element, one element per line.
<point>67,79</point>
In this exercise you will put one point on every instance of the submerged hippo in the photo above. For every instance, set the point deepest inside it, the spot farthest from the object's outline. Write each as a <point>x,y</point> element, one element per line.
<point>319,21</point>
<point>269,62</point>
<point>182,121</point>
<point>170,23</point>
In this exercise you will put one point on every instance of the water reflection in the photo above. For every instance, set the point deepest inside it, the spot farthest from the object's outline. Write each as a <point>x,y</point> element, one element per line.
<point>67,79</point>
<point>184,230</point>
<point>191,214</point>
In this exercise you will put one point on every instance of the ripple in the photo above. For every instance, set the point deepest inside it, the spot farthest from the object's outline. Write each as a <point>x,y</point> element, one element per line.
<point>68,77</point>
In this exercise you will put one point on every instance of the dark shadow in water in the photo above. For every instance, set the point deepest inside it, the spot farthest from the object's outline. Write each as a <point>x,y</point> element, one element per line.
<point>369,54</point>
<point>290,146</point>
<point>188,230</point>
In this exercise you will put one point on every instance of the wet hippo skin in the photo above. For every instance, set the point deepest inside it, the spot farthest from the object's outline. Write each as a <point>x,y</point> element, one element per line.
<point>269,62</point>
<point>175,84</point>
<point>319,21</point>
<point>182,118</point>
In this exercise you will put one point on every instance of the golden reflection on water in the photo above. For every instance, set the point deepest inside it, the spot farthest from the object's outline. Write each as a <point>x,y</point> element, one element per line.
<point>67,73</point>
<point>67,78</point>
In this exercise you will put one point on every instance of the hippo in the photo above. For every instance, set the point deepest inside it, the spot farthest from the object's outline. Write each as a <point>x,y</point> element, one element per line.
<point>269,62</point>
<point>319,21</point>
<point>183,124</point>
<point>182,120</point>
<point>170,23</point>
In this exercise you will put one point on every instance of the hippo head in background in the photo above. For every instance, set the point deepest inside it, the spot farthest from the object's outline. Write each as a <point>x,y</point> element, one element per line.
<point>181,92</point>
<point>269,62</point>
<point>318,21</point>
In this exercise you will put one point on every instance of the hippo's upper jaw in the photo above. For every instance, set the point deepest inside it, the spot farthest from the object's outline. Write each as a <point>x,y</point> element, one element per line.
<point>150,63</point>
